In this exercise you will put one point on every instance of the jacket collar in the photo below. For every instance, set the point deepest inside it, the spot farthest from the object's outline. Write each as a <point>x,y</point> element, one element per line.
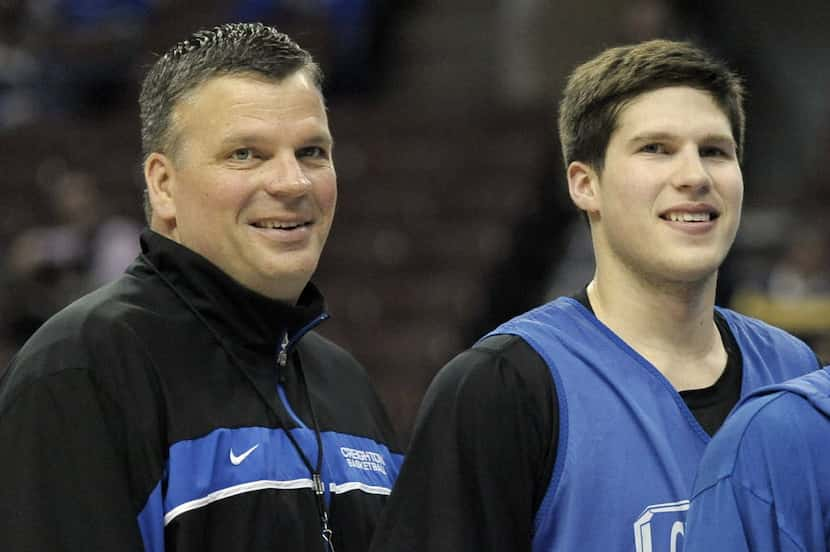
<point>245,316</point>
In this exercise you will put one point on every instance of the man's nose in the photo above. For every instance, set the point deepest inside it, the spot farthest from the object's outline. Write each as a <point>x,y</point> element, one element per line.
<point>691,173</point>
<point>287,178</point>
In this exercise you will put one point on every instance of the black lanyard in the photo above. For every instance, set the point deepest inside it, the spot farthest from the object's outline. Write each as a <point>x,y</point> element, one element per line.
<point>282,359</point>
<point>316,479</point>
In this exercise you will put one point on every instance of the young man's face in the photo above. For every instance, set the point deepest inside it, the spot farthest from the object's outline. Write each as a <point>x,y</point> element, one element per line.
<point>668,202</point>
<point>252,186</point>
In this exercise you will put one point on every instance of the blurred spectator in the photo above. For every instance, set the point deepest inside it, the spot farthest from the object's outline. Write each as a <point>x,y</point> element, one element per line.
<point>18,67</point>
<point>543,40</point>
<point>793,291</point>
<point>804,269</point>
<point>89,48</point>
<point>351,38</point>
<point>59,56</point>
<point>48,266</point>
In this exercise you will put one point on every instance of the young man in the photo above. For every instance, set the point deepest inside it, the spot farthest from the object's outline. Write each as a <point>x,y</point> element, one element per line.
<point>763,484</point>
<point>189,406</point>
<point>578,425</point>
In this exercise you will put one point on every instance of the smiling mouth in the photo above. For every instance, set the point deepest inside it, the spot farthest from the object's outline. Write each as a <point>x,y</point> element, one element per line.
<point>273,225</point>
<point>676,216</point>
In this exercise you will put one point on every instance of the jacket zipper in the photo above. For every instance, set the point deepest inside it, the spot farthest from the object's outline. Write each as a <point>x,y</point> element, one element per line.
<point>282,356</point>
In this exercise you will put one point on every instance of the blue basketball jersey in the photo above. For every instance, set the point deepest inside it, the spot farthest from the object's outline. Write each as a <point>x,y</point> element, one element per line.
<point>628,444</point>
<point>763,484</point>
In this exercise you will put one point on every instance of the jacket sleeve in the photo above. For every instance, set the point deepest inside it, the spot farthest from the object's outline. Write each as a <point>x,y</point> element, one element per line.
<point>63,471</point>
<point>478,458</point>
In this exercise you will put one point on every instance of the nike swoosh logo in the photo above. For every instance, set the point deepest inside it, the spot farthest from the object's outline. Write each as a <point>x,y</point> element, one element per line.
<point>236,460</point>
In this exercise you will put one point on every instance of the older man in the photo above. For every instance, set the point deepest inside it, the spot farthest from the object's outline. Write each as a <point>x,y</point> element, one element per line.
<point>189,405</point>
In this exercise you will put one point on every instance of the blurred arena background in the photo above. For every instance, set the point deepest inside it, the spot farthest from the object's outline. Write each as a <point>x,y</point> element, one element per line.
<point>453,213</point>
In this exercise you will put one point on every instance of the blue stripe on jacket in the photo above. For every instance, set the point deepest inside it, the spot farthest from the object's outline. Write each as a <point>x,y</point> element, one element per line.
<point>227,462</point>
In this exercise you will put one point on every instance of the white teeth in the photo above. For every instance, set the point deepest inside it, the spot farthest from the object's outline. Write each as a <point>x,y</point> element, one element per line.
<point>689,217</point>
<point>278,225</point>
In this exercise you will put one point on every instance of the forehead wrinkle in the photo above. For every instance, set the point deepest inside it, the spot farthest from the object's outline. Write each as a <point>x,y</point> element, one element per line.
<point>310,130</point>
<point>286,113</point>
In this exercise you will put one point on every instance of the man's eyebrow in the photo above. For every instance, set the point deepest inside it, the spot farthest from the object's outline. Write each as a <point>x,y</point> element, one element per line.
<point>321,138</point>
<point>712,138</point>
<point>716,138</point>
<point>653,136</point>
<point>317,138</point>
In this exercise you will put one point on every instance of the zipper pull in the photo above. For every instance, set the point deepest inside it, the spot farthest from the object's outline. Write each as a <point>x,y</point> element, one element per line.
<point>327,533</point>
<point>282,356</point>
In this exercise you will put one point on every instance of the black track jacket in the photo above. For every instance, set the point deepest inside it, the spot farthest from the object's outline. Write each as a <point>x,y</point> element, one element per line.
<point>153,415</point>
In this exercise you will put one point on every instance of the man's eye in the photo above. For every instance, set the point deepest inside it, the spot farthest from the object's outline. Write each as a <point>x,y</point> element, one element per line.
<point>713,151</point>
<point>653,148</point>
<point>242,154</point>
<point>313,152</point>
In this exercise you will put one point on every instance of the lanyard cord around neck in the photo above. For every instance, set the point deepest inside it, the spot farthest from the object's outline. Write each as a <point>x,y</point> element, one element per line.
<point>282,358</point>
<point>316,478</point>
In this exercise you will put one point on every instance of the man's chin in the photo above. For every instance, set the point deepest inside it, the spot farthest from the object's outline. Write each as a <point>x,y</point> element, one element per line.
<point>691,275</point>
<point>293,277</point>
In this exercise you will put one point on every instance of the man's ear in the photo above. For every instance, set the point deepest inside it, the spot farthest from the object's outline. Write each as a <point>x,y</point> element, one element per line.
<point>160,178</point>
<point>583,186</point>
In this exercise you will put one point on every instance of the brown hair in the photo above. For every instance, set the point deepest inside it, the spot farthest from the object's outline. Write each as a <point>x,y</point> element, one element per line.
<point>599,89</point>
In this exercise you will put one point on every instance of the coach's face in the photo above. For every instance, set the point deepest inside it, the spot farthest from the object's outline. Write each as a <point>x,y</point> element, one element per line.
<point>252,185</point>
